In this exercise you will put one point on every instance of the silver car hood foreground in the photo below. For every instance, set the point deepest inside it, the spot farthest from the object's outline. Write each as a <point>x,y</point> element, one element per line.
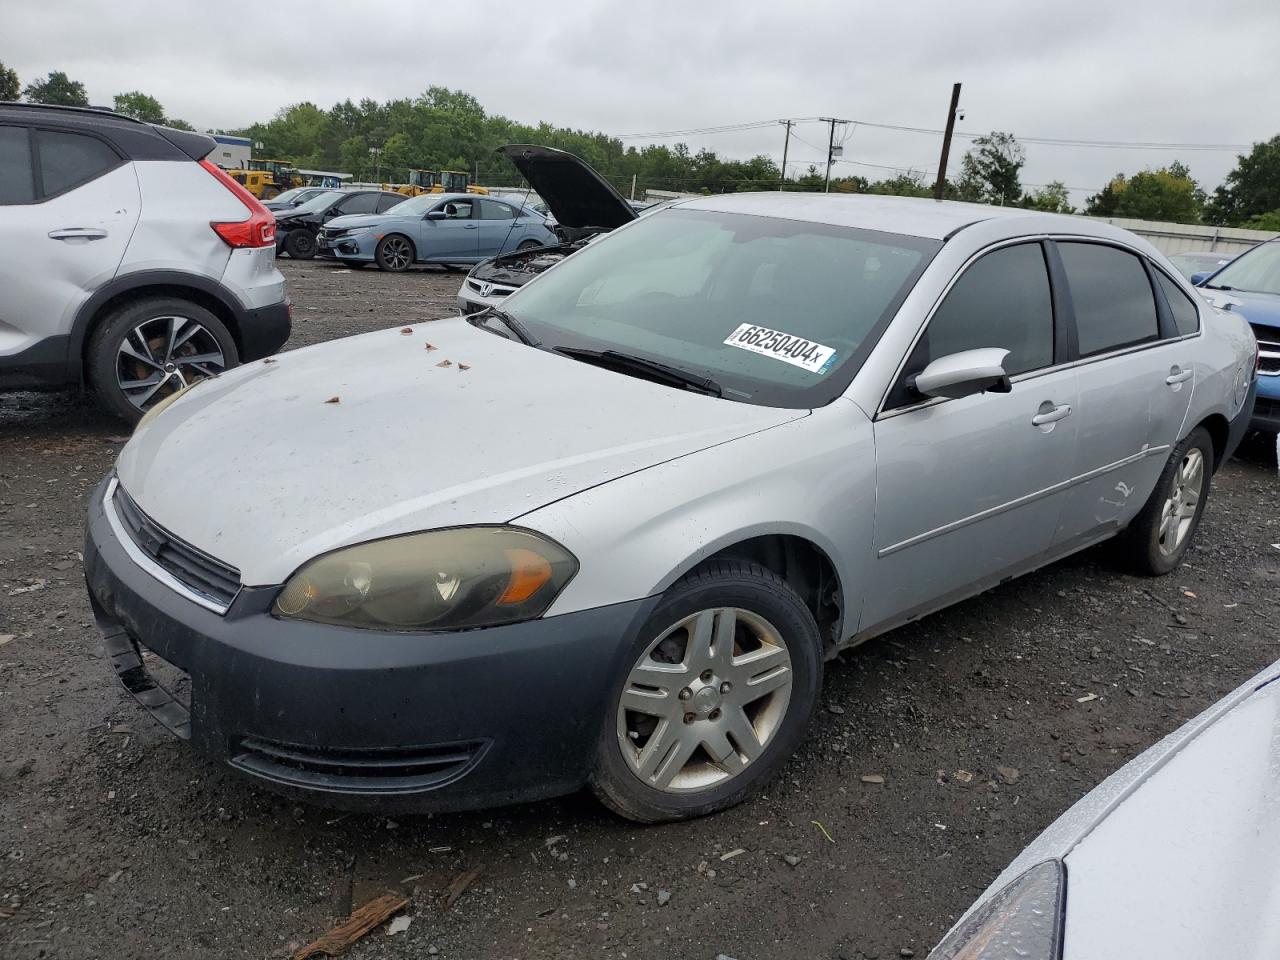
<point>259,470</point>
<point>1189,864</point>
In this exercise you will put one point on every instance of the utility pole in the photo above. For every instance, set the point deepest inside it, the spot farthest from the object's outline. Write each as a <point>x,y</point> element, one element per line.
<point>785,145</point>
<point>831,146</point>
<point>940,188</point>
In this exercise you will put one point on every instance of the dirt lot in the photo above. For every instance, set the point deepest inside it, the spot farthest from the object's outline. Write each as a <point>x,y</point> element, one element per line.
<point>116,841</point>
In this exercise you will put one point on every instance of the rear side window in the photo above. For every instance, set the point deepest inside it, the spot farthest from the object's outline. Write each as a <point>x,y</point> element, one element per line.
<point>1186,319</point>
<point>68,160</point>
<point>17,182</point>
<point>364,203</point>
<point>1112,296</point>
<point>489,210</point>
<point>1002,300</point>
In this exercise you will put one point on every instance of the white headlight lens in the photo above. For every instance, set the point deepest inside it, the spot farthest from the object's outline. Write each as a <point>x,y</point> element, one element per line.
<point>441,580</point>
<point>1023,921</point>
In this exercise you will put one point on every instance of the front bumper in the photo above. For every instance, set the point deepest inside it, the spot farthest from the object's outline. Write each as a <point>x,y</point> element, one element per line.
<point>359,247</point>
<point>1266,410</point>
<point>354,718</point>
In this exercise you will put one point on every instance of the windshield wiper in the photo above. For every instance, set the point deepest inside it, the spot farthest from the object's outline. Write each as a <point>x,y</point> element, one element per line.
<point>1216,286</point>
<point>511,323</point>
<point>651,369</point>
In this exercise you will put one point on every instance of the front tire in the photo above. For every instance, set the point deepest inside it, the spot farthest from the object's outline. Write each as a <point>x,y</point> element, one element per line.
<point>1160,536</point>
<point>300,244</point>
<point>151,348</point>
<point>719,690</point>
<point>394,254</point>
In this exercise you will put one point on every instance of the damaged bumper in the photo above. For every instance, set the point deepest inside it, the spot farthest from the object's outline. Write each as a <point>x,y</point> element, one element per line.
<point>355,718</point>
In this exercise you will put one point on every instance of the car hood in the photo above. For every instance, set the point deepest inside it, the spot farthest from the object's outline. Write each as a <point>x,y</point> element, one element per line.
<point>1260,308</point>
<point>1186,865</point>
<point>352,220</point>
<point>271,464</point>
<point>576,195</point>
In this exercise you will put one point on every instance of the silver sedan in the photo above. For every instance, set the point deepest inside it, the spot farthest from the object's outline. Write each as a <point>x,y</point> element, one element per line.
<point>610,533</point>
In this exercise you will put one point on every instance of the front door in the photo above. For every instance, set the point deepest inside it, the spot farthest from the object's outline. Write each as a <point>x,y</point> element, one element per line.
<point>1136,376</point>
<point>497,233</point>
<point>453,238</point>
<point>970,490</point>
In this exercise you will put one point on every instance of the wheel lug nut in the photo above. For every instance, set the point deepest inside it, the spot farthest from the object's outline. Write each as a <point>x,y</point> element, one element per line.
<point>726,687</point>
<point>686,693</point>
<point>715,714</point>
<point>706,676</point>
<point>690,717</point>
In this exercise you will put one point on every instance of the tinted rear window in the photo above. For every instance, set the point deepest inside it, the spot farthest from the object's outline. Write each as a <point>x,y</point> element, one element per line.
<point>1112,296</point>
<point>17,185</point>
<point>70,159</point>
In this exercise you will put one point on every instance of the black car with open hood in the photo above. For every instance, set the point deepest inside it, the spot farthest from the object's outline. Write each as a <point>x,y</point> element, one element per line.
<point>582,203</point>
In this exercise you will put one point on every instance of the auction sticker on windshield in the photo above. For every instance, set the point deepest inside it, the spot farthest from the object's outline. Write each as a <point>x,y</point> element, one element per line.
<point>786,347</point>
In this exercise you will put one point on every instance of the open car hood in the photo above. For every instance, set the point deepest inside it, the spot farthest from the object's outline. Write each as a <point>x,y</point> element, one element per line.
<point>576,195</point>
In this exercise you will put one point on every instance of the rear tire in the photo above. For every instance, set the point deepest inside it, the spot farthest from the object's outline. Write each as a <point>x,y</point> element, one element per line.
<point>130,365</point>
<point>300,244</point>
<point>394,254</point>
<point>750,700</point>
<point>1159,537</point>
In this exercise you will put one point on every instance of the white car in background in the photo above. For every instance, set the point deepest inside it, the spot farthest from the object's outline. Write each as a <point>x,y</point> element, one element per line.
<point>1176,856</point>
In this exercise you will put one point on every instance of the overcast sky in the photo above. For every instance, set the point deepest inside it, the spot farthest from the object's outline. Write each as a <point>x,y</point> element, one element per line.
<point>1119,70</point>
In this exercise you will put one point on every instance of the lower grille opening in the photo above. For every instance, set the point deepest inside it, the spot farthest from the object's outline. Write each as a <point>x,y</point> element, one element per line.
<point>347,770</point>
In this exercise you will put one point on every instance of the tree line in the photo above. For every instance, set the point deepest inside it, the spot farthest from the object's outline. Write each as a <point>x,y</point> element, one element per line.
<point>444,129</point>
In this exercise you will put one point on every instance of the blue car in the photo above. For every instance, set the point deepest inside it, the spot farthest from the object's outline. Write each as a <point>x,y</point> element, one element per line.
<point>445,228</point>
<point>1250,285</point>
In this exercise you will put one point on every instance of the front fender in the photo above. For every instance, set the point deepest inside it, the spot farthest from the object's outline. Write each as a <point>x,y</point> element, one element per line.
<point>812,478</point>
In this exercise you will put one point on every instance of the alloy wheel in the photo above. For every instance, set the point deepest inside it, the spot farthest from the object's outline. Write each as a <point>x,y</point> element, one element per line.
<point>704,700</point>
<point>1179,511</point>
<point>395,253</point>
<point>162,355</point>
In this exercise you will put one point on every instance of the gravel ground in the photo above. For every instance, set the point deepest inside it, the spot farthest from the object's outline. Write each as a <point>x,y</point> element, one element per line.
<point>116,841</point>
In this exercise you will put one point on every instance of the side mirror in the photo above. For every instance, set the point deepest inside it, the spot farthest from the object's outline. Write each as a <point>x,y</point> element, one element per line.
<point>436,215</point>
<point>962,374</point>
<point>1199,278</point>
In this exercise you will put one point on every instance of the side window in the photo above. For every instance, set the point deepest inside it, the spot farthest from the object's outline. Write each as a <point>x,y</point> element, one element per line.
<point>360,203</point>
<point>489,210</point>
<point>1112,296</point>
<point>385,202</point>
<point>457,210</point>
<point>1186,318</point>
<point>1002,300</point>
<point>69,159</point>
<point>17,182</point>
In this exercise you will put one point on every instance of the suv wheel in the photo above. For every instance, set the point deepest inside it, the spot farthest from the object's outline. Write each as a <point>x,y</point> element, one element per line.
<point>716,695</point>
<point>152,348</point>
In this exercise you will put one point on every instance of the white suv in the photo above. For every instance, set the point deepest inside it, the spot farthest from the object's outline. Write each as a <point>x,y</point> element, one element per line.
<point>131,263</point>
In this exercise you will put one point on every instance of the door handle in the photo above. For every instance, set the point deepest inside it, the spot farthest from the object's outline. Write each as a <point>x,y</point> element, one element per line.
<point>78,233</point>
<point>1051,413</point>
<point>1178,375</point>
<point>471,226</point>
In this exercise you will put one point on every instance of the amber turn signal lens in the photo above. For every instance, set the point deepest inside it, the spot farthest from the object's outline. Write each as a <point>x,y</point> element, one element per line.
<point>529,571</point>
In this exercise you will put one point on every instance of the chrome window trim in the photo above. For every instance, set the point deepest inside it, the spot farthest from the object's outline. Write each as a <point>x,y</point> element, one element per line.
<point>148,565</point>
<point>1146,451</point>
<point>882,414</point>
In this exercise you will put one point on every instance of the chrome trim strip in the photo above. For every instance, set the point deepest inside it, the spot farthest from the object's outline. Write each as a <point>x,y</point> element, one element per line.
<point>148,565</point>
<point>1020,501</point>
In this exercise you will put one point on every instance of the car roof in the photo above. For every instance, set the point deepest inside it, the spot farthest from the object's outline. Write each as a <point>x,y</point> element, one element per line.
<point>913,216</point>
<point>135,139</point>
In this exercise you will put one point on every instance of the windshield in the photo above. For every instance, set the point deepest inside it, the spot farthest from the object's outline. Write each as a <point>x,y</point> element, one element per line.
<point>416,207</point>
<point>1256,271</point>
<point>777,312</point>
<point>292,194</point>
<point>318,203</point>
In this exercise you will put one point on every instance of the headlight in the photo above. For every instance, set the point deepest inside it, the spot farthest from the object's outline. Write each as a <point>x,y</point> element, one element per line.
<point>355,232</point>
<point>441,580</point>
<point>1024,920</point>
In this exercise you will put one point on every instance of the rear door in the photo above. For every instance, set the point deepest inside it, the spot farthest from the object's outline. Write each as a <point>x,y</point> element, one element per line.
<point>1136,375</point>
<point>68,205</point>
<point>970,490</point>
<point>497,232</point>
<point>454,238</point>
